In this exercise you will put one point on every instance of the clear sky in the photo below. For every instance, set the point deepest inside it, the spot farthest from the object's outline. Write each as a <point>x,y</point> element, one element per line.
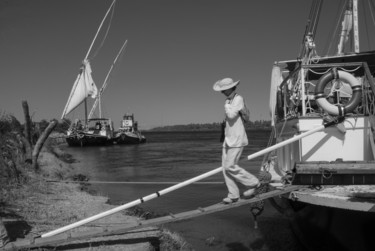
<point>176,51</point>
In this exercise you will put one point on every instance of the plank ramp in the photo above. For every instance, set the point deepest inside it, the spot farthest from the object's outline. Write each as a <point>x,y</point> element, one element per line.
<point>142,225</point>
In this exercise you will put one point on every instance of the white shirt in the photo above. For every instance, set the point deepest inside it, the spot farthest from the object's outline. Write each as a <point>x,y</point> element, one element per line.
<point>235,134</point>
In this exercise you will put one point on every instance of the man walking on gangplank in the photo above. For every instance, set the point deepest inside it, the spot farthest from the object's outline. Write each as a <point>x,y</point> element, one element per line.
<point>235,139</point>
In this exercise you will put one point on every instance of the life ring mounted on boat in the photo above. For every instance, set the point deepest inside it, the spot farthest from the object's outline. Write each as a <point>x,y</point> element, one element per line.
<point>332,109</point>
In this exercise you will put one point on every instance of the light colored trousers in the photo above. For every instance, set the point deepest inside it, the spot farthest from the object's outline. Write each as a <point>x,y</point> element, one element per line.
<point>233,173</point>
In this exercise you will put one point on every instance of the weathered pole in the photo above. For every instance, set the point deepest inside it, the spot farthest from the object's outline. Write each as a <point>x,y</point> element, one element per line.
<point>25,107</point>
<point>39,144</point>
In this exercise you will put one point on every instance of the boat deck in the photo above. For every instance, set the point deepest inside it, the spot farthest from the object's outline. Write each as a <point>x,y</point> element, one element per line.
<point>352,197</point>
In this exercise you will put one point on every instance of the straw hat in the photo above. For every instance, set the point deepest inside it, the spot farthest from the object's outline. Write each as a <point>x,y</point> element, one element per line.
<point>225,84</point>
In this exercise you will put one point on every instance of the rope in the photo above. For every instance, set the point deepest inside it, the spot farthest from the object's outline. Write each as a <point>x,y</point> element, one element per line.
<point>257,208</point>
<point>372,7</point>
<point>264,177</point>
<point>105,35</point>
<point>365,21</point>
<point>319,73</point>
<point>92,43</point>
<point>333,40</point>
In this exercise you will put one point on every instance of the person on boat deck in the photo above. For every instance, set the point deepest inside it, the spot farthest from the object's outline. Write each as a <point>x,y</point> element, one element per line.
<point>234,142</point>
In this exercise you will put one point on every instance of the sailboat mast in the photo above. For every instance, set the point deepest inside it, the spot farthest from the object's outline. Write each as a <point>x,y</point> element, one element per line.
<point>86,119</point>
<point>100,106</point>
<point>308,38</point>
<point>85,60</point>
<point>88,52</point>
<point>100,26</point>
<point>355,26</point>
<point>98,100</point>
<point>350,22</point>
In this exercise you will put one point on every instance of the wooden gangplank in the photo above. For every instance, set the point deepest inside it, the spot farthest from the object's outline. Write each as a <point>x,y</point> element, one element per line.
<point>65,238</point>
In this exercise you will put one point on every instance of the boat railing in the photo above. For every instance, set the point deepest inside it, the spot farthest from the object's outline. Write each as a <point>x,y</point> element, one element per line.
<point>296,94</point>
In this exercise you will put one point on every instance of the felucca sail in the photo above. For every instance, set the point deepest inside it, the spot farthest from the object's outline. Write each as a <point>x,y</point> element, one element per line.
<point>83,88</point>
<point>84,85</point>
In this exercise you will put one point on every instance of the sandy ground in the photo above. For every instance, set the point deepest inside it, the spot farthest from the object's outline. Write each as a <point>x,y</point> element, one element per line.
<point>41,207</point>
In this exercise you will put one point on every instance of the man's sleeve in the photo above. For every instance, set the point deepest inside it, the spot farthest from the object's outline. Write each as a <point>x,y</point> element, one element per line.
<point>232,110</point>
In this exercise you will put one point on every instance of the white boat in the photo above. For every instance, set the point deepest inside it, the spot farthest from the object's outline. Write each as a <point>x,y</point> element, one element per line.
<point>337,164</point>
<point>88,131</point>
<point>128,132</point>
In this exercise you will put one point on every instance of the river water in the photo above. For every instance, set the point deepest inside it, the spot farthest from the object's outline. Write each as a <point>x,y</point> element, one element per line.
<point>176,157</point>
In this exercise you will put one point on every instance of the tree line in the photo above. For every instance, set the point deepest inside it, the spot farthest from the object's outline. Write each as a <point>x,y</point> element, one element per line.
<point>251,125</point>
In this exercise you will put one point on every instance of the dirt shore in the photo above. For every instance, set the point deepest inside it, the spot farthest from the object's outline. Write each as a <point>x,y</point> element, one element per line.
<point>37,206</point>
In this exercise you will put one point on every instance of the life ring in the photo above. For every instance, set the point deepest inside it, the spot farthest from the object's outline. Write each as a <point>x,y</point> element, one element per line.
<point>333,109</point>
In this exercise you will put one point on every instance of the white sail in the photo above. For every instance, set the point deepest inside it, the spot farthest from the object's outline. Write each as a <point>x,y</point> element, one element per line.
<point>83,88</point>
<point>276,80</point>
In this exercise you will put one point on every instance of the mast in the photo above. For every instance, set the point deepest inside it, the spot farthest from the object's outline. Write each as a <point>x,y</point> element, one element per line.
<point>355,26</point>
<point>85,62</point>
<point>349,23</point>
<point>100,26</point>
<point>98,100</point>
<point>308,44</point>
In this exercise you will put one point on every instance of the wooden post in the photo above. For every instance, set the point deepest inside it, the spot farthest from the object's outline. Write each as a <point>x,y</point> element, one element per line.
<point>25,107</point>
<point>27,148</point>
<point>40,142</point>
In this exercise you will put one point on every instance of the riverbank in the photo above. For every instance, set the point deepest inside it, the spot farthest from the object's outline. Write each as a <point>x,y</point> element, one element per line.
<point>34,206</point>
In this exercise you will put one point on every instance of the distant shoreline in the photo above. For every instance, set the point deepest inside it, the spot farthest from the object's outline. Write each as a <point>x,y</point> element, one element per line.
<point>214,127</point>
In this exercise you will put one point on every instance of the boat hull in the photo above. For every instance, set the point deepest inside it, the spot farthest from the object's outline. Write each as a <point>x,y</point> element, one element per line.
<point>326,228</point>
<point>88,140</point>
<point>97,132</point>
<point>129,138</point>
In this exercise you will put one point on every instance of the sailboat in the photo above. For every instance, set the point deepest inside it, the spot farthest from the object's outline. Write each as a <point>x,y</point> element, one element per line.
<point>336,166</point>
<point>88,131</point>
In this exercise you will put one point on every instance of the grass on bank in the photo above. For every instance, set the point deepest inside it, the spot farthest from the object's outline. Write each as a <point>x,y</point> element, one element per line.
<point>30,205</point>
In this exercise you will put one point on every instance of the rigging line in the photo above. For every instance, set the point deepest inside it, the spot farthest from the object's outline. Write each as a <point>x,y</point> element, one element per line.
<point>314,14</point>
<point>366,26</point>
<point>347,70</point>
<point>122,51</point>
<point>371,9</point>
<point>105,35</point>
<point>337,27</point>
<point>317,17</point>
<point>106,80</point>
<point>307,28</point>
<point>311,26</point>
<point>97,32</point>
<point>332,31</point>
<point>270,140</point>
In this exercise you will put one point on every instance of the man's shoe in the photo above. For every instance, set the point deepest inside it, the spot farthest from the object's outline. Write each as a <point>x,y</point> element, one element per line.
<point>229,200</point>
<point>250,192</point>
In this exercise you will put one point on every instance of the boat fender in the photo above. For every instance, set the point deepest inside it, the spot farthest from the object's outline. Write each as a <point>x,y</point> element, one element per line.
<point>333,109</point>
<point>279,104</point>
